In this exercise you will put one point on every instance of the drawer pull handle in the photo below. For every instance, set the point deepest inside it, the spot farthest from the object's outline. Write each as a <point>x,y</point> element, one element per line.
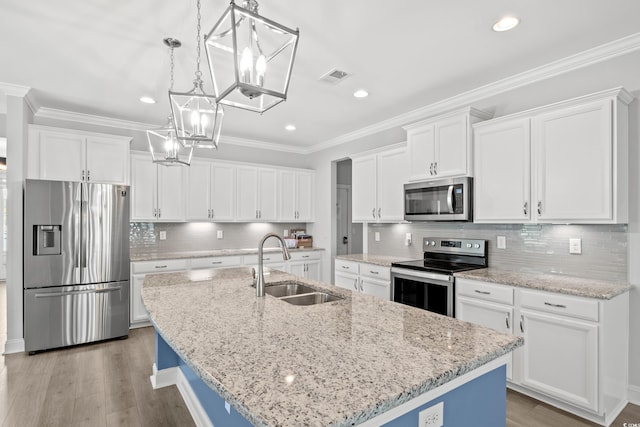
<point>555,305</point>
<point>521,323</point>
<point>345,267</point>
<point>305,256</point>
<point>482,292</point>
<point>160,266</point>
<point>374,272</point>
<point>216,262</point>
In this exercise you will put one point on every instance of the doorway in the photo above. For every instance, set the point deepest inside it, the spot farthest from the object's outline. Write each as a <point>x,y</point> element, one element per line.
<point>348,235</point>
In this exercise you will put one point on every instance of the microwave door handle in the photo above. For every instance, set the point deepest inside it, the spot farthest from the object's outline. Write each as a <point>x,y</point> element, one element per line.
<point>450,199</point>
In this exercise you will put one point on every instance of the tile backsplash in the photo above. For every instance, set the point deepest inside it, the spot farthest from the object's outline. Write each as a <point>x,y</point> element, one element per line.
<point>144,237</point>
<point>530,247</point>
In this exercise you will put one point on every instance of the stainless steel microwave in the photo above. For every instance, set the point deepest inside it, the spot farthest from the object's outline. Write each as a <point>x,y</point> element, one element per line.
<point>440,200</point>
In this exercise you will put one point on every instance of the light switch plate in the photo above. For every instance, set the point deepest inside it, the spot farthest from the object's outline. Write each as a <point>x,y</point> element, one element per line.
<point>286,233</point>
<point>163,235</point>
<point>502,242</point>
<point>575,246</point>
<point>220,234</point>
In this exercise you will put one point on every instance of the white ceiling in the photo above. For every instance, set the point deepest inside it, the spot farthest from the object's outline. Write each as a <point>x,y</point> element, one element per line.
<point>98,57</point>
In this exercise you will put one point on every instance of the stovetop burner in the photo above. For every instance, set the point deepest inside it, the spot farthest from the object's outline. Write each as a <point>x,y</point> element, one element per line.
<point>436,266</point>
<point>449,256</point>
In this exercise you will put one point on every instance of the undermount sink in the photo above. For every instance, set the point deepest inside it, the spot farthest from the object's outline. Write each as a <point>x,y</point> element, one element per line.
<point>311,298</point>
<point>287,289</point>
<point>299,294</point>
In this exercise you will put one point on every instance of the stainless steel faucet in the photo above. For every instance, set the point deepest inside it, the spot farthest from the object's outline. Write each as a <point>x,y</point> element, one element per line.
<point>285,256</point>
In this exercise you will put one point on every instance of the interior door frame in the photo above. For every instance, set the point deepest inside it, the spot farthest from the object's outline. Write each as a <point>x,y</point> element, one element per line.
<point>347,188</point>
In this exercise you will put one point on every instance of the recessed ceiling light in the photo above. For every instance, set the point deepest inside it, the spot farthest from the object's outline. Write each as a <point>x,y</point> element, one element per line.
<point>147,100</point>
<point>290,128</point>
<point>361,93</point>
<point>505,24</point>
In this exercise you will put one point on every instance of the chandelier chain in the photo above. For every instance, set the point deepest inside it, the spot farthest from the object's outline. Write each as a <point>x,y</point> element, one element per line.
<point>171,70</point>
<point>198,72</point>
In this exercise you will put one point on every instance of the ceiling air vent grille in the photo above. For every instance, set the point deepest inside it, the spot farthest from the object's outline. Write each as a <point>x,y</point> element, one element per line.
<point>334,76</point>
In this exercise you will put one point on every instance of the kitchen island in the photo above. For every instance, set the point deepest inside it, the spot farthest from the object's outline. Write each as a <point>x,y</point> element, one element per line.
<point>359,360</point>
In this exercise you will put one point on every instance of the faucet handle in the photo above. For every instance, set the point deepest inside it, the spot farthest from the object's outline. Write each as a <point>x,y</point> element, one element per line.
<point>253,272</point>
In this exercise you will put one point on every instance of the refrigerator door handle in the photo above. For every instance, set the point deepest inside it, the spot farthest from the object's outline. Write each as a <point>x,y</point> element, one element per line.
<point>88,291</point>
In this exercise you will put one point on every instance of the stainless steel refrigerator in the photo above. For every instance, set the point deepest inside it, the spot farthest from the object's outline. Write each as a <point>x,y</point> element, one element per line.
<point>76,263</point>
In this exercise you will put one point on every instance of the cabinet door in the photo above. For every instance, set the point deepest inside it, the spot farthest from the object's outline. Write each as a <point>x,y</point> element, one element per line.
<point>392,175</point>
<point>223,196</point>
<point>170,195</point>
<point>377,288</point>
<point>451,147</point>
<point>144,188</point>
<point>421,148</point>
<point>138,312</point>
<point>305,191</point>
<point>364,188</point>
<point>502,172</point>
<point>560,357</point>
<point>288,193</point>
<point>198,191</point>
<point>268,194</point>
<point>574,157</point>
<point>297,269</point>
<point>346,281</point>
<point>62,156</point>
<point>312,270</point>
<point>247,193</point>
<point>107,160</point>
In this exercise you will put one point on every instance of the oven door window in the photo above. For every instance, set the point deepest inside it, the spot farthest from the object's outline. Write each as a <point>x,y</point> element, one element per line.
<point>427,296</point>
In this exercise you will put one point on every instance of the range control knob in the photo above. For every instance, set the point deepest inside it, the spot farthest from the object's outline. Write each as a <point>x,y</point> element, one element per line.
<point>433,243</point>
<point>468,245</point>
<point>477,246</point>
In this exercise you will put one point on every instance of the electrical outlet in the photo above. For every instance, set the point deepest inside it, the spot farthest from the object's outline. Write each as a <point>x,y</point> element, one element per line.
<point>376,236</point>
<point>220,234</point>
<point>407,239</point>
<point>575,246</point>
<point>502,242</point>
<point>163,235</point>
<point>433,416</point>
<point>286,233</point>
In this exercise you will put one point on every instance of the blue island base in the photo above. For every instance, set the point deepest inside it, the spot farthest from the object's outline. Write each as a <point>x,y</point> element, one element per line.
<point>477,398</point>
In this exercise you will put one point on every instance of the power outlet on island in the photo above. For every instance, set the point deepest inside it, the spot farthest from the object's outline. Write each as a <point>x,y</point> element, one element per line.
<point>433,416</point>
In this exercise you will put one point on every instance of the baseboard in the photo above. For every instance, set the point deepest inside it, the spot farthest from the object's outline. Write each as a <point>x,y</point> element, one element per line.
<point>174,376</point>
<point>139,325</point>
<point>199,415</point>
<point>634,394</point>
<point>14,346</point>
<point>164,378</point>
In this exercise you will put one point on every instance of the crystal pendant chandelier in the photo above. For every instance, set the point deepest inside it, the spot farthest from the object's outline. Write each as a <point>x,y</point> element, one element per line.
<point>163,144</point>
<point>197,117</point>
<point>250,58</point>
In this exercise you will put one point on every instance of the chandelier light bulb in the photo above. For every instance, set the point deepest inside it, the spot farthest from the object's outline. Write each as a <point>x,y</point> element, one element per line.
<point>246,64</point>
<point>261,68</point>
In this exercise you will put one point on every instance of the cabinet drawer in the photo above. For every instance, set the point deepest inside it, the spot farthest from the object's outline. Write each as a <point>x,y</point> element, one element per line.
<point>375,271</point>
<point>214,262</point>
<point>304,256</point>
<point>566,305</point>
<point>159,266</point>
<point>347,266</point>
<point>485,291</point>
<point>267,258</point>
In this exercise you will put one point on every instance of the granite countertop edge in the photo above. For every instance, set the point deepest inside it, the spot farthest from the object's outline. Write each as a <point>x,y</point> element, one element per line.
<point>381,260</point>
<point>210,253</point>
<point>549,282</point>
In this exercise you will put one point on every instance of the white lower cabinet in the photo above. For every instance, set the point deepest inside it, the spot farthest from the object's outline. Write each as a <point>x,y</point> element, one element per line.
<point>363,277</point>
<point>575,349</point>
<point>138,314</point>
<point>305,264</point>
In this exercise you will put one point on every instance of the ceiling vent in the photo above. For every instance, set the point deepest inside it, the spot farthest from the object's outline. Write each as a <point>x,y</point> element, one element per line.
<point>334,76</point>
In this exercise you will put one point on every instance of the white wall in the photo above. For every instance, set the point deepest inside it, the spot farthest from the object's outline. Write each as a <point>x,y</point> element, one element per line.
<point>619,71</point>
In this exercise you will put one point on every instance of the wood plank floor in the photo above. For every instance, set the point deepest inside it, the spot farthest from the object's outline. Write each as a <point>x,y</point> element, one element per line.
<point>107,384</point>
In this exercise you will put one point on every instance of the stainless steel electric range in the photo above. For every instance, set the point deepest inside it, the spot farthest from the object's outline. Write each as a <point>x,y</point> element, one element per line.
<point>428,283</point>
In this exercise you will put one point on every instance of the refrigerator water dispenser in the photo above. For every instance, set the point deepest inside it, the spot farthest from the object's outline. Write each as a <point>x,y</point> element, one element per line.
<point>47,240</point>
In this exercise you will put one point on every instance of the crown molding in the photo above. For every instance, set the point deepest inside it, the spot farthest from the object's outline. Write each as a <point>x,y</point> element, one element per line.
<point>582,59</point>
<point>71,116</point>
<point>263,145</point>
<point>14,90</point>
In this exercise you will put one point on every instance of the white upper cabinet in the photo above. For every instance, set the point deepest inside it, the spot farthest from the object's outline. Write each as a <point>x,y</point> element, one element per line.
<point>441,146</point>
<point>296,189</point>
<point>564,163</point>
<point>256,193</point>
<point>157,191</point>
<point>502,168</point>
<point>378,180</point>
<point>67,155</point>
<point>210,191</point>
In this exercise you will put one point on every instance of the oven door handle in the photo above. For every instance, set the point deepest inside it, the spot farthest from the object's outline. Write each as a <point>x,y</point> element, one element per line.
<point>450,199</point>
<point>413,274</point>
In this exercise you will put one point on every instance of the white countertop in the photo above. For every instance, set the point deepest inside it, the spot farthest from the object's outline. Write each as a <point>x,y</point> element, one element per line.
<point>337,363</point>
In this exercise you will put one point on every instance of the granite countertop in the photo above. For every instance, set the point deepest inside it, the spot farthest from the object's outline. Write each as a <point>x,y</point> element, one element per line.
<point>157,256</point>
<point>382,260</point>
<point>332,364</point>
<point>569,285</point>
